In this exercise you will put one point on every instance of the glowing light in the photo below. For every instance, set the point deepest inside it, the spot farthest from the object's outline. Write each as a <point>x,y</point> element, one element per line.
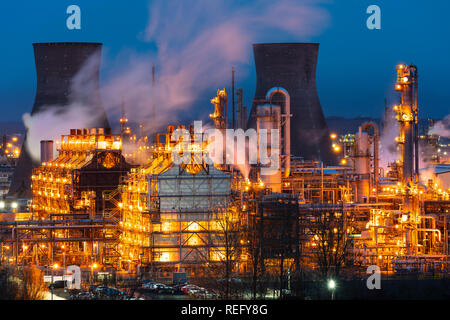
<point>331,284</point>
<point>194,227</point>
<point>165,256</point>
<point>333,136</point>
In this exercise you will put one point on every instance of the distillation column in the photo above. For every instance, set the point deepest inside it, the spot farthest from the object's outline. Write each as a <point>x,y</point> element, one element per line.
<point>407,116</point>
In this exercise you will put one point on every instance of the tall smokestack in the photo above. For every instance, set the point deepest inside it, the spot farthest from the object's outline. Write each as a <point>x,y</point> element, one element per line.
<point>46,150</point>
<point>56,66</point>
<point>292,66</point>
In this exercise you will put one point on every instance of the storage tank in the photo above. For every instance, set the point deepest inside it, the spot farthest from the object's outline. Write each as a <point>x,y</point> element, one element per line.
<point>46,150</point>
<point>292,66</point>
<point>57,64</point>
<point>362,166</point>
<point>268,119</point>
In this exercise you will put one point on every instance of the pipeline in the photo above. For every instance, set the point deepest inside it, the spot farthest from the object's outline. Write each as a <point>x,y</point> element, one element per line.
<point>287,125</point>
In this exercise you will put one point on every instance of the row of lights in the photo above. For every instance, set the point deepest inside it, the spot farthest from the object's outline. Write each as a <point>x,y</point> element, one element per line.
<point>14,205</point>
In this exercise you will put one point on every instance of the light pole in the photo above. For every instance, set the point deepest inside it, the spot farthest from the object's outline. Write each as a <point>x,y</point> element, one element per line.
<point>64,266</point>
<point>93,266</point>
<point>54,267</point>
<point>332,287</point>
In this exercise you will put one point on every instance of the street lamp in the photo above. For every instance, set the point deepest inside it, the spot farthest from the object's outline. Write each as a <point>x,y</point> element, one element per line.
<point>64,266</point>
<point>54,267</point>
<point>332,286</point>
<point>93,266</point>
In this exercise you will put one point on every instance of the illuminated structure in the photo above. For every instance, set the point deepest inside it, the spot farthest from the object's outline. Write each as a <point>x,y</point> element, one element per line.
<point>166,215</point>
<point>73,213</point>
<point>402,233</point>
<point>186,204</point>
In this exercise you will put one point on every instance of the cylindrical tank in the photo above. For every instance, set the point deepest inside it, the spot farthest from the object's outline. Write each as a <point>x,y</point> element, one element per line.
<point>269,118</point>
<point>60,84</point>
<point>292,66</point>
<point>46,150</point>
<point>362,166</point>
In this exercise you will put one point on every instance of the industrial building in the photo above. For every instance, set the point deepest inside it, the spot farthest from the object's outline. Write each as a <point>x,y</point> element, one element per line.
<point>329,205</point>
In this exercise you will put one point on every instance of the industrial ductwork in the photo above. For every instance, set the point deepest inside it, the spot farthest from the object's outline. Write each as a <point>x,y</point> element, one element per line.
<point>285,125</point>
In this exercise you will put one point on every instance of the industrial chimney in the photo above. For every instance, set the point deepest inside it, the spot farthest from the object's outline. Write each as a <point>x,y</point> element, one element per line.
<point>46,150</point>
<point>57,67</point>
<point>292,66</point>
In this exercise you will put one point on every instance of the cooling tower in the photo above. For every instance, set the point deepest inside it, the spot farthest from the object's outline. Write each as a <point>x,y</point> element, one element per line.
<point>67,73</point>
<point>292,66</point>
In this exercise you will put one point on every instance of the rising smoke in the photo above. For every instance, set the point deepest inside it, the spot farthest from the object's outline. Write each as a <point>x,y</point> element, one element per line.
<point>389,152</point>
<point>197,43</point>
<point>441,128</point>
<point>56,120</point>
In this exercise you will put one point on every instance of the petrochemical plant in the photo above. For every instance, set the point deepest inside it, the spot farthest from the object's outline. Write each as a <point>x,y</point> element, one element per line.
<point>329,206</point>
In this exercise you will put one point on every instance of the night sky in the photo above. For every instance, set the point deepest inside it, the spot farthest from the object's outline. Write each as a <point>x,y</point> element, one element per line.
<point>356,68</point>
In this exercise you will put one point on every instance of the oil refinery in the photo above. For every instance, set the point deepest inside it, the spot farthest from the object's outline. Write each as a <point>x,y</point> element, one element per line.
<point>121,203</point>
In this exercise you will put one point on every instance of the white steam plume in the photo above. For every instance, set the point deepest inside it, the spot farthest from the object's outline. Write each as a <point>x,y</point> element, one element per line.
<point>52,121</point>
<point>388,147</point>
<point>197,43</point>
<point>441,128</point>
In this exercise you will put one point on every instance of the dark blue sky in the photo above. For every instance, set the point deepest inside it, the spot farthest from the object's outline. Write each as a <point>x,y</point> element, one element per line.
<point>356,68</point>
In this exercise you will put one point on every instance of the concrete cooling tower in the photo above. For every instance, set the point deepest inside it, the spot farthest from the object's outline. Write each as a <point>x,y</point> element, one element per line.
<point>292,66</point>
<point>59,85</point>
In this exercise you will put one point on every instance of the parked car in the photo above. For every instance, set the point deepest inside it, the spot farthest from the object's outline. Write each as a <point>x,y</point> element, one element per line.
<point>148,285</point>
<point>82,296</point>
<point>178,288</point>
<point>162,288</point>
<point>113,293</point>
<point>195,291</point>
<point>57,284</point>
<point>189,287</point>
<point>209,295</point>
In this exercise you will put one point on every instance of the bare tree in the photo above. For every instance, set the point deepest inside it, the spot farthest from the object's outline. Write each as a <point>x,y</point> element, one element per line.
<point>33,286</point>
<point>228,236</point>
<point>332,243</point>
<point>24,284</point>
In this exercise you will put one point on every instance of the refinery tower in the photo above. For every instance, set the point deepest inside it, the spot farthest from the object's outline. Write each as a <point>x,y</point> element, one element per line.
<point>67,74</point>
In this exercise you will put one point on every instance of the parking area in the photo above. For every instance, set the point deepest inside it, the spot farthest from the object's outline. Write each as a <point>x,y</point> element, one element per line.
<point>148,290</point>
